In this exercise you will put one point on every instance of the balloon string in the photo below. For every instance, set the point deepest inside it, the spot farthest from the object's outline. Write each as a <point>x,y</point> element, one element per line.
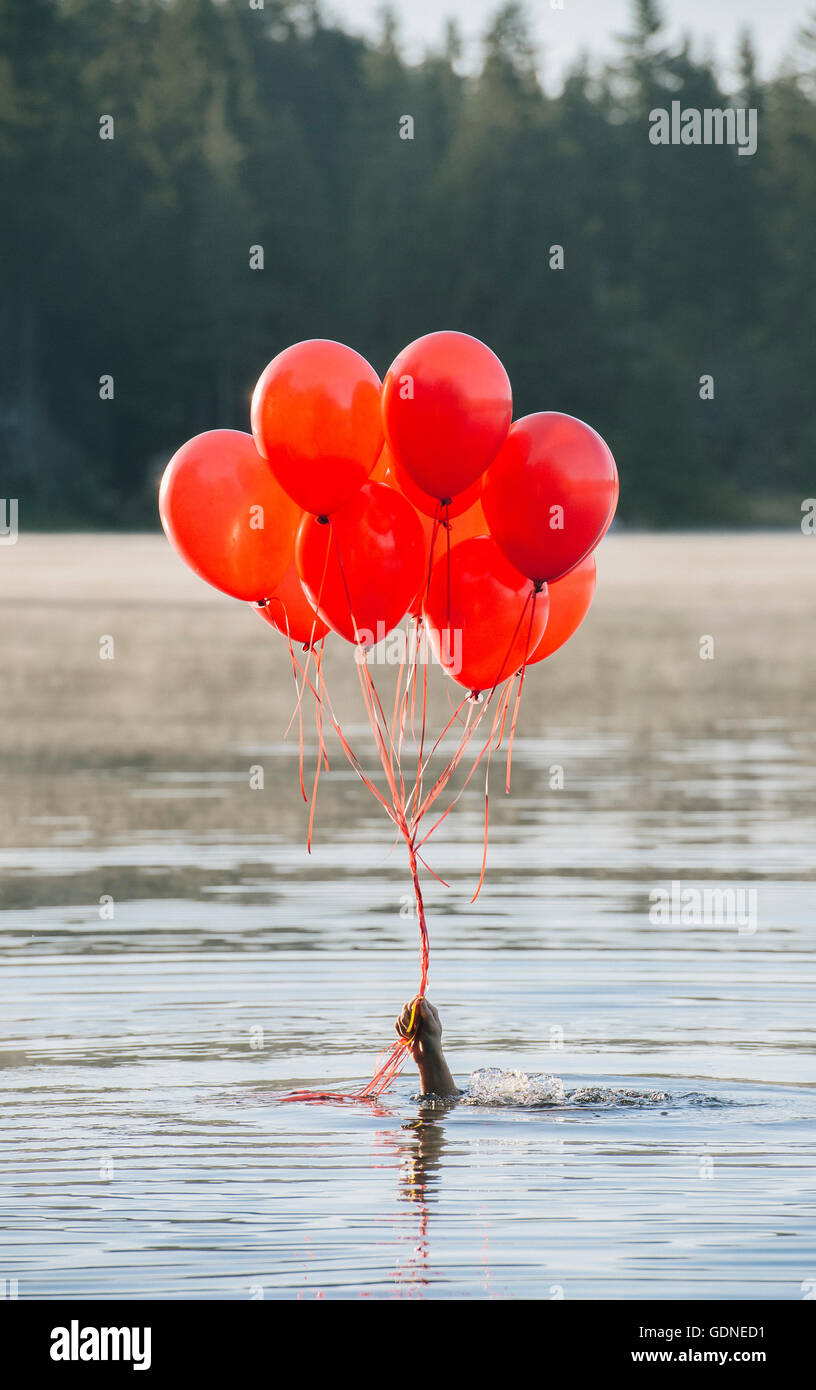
<point>356,763</point>
<point>498,743</point>
<point>391,1063</point>
<point>417,792</point>
<point>413,704</point>
<point>310,651</point>
<point>413,636</point>
<point>485,749</point>
<point>437,522</point>
<point>520,688</point>
<point>449,725</point>
<point>389,747</point>
<point>427,866</point>
<point>395,716</point>
<point>450,769</point>
<point>447,569</point>
<point>408,659</point>
<point>457,711</point>
<point>371,700</point>
<point>447,773</point>
<point>370,697</point>
<point>321,755</point>
<point>299,712</point>
<point>445,776</point>
<point>386,1071</point>
<point>424,948</point>
<point>324,699</point>
<point>501,712</point>
<point>423,766</point>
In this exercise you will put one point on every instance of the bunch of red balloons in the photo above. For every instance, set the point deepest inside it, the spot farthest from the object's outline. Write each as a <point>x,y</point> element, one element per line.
<point>354,503</point>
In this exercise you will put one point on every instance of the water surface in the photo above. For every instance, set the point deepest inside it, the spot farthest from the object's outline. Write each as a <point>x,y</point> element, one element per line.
<point>144,1151</point>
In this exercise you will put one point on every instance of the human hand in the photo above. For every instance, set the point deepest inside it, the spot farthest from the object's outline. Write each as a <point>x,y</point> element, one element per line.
<point>427,1036</point>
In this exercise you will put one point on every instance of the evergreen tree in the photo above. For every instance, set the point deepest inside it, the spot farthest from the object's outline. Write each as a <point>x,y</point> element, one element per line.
<point>390,198</point>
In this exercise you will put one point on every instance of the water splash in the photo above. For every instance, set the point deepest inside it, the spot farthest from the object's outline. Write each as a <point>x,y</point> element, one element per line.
<point>615,1095</point>
<point>492,1086</point>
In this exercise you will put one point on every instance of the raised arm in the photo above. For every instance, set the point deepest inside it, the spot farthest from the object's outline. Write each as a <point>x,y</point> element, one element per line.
<point>426,1049</point>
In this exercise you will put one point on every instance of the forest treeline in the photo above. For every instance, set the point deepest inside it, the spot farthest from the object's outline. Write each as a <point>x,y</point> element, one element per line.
<point>132,316</point>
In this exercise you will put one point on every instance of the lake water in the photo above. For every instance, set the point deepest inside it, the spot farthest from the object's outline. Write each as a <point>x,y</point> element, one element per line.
<point>144,1151</point>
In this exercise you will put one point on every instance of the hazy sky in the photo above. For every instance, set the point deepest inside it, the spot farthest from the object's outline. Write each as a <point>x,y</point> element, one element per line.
<point>593,23</point>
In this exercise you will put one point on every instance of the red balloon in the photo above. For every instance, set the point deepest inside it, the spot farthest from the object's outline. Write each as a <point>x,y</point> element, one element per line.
<point>550,494</point>
<point>380,473</point>
<point>473,522</point>
<point>465,517</point>
<point>447,407</point>
<point>570,598</point>
<point>482,620</point>
<point>316,418</point>
<point>363,565</point>
<point>225,514</point>
<point>290,612</point>
<point>390,470</point>
<point>459,528</point>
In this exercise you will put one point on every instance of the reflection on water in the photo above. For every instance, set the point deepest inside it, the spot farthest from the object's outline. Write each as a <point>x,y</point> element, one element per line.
<point>646,1101</point>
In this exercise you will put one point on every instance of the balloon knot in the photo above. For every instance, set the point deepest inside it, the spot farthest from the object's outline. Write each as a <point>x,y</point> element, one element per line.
<point>322,521</point>
<point>539,585</point>
<point>261,603</point>
<point>446,501</point>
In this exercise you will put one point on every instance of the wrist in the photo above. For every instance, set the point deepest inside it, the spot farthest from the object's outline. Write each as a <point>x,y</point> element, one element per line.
<point>435,1076</point>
